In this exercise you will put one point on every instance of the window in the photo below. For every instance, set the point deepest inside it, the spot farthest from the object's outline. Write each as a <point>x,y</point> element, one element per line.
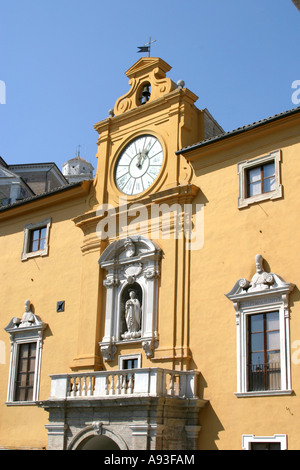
<point>26,336</point>
<point>36,239</point>
<point>259,179</point>
<point>276,442</point>
<point>264,352</point>
<point>263,333</point>
<point>25,372</point>
<point>130,362</point>
<point>265,446</point>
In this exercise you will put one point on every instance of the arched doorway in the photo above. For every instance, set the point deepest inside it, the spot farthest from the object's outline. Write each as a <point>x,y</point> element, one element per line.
<point>98,443</point>
<point>97,437</point>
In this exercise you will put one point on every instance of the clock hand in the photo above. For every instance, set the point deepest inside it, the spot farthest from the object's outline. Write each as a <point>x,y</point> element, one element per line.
<point>141,158</point>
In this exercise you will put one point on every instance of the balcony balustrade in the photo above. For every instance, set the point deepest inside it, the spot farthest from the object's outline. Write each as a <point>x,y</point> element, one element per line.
<point>125,383</point>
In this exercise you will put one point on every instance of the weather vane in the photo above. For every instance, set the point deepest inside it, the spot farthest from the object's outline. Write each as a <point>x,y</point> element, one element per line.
<point>146,47</point>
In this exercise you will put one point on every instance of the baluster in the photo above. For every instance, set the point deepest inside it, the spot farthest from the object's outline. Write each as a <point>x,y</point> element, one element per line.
<point>119,384</point>
<point>73,393</point>
<point>130,383</point>
<point>171,386</point>
<point>78,394</point>
<point>69,390</point>
<point>112,391</point>
<point>106,385</point>
<point>83,393</point>
<point>124,384</point>
<point>90,389</point>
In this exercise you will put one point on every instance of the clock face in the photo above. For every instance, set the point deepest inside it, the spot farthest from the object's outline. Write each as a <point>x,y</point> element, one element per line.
<point>139,165</point>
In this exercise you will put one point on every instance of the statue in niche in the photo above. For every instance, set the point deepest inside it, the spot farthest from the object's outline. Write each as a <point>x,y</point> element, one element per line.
<point>132,314</point>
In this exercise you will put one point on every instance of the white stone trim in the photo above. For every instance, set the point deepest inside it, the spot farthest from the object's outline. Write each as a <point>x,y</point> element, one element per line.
<point>26,254</point>
<point>249,299</point>
<point>248,439</point>
<point>24,335</point>
<point>125,357</point>
<point>124,268</point>
<point>244,166</point>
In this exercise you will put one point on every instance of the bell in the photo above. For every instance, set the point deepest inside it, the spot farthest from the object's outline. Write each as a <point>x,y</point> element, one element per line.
<point>145,94</point>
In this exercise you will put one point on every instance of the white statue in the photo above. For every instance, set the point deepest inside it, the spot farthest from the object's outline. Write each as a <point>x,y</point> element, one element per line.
<point>132,316</point>
<point>261,279</point>
<point>28,317</point>
<point>129,248</point>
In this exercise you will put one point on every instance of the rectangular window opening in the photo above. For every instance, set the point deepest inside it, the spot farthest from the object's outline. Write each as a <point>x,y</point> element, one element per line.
<point>261,179</point>
<point>25,372</point>
<point>264,371</point>
<point>265,446</point>
<point>130,363</point>
<point>37,239</point>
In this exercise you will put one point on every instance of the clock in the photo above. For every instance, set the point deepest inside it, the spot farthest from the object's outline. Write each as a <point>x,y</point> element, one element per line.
<point>138,165</point>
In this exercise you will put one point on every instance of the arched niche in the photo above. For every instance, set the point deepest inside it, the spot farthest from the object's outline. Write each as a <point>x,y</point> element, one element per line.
<point>131,264</point>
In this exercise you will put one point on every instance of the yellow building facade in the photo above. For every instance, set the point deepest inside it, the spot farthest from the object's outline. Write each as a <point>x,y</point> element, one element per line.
<point>156,306</point>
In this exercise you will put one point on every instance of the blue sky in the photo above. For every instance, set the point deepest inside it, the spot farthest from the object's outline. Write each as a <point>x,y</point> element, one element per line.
<point>63,63</point>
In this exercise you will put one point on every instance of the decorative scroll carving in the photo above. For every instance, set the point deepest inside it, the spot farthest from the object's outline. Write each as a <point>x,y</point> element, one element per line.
<point>149,345</point>
<point>108,351</point>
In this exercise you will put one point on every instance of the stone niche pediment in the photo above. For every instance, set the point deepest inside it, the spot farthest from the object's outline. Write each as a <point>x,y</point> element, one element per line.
<point>133,249</point>
<point>132,267</point>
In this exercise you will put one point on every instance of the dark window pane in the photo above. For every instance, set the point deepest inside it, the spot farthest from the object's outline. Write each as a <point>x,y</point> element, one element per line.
<point>257,323</point>
<point>265,446</point>
<point>273,321</point>
<point>254,175</point>
<point>35,245</point>
<point>269,170</point>
<point>255,188</point>
<point>42,244</point>
<point>273,341</point>
<point>257,342</point>
<point>35,234</point>
<point>269,184</point>
<point>130,364</point>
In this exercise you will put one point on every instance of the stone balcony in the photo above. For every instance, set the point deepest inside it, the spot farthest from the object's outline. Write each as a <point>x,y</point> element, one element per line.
<point>139,409</point>
<point>152,382</point>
